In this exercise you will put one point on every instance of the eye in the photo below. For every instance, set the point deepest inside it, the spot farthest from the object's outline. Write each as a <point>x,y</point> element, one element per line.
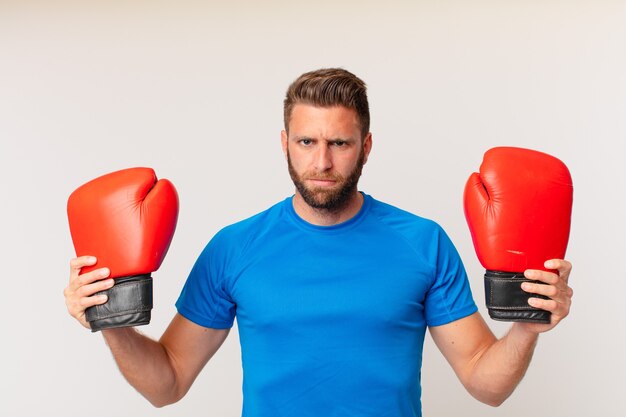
<point>340,143</point>
<point>306,142</point>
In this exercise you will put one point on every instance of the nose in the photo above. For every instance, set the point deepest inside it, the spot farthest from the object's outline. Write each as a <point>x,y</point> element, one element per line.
<point>323,159</point>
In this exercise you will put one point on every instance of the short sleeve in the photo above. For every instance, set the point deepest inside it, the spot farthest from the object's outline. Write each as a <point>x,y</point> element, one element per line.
<point>204,298</point>
<point>450,297</point>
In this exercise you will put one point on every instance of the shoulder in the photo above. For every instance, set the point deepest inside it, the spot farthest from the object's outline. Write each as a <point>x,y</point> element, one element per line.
<point>423,235</point>
<point>403,221</point>
<point>241,233</point>
<point>233,241</point>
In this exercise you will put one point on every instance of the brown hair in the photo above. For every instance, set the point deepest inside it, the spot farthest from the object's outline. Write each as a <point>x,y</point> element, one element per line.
<point>329,87</point>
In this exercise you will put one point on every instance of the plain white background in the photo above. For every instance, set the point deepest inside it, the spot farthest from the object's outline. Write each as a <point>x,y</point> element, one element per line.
<point>194,89</point>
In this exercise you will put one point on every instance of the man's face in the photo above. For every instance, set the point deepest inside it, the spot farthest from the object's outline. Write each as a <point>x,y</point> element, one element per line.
<point>325,154</point>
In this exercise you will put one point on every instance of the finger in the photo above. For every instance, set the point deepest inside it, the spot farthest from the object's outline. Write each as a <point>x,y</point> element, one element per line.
<point>549,291</point>
<point>76,264</point>
<point>90,289</point>
<point>94,300</point>
<point>559,309</point>
<point>562,266</point>
<point>81,261</point>
<point>86,296</point>
<point>543,276</point>
<point>548,305</point>
<point>89,277</point>
<point>76,306</point>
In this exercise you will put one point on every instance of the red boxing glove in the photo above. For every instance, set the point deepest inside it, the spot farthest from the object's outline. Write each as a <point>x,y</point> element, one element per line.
<point>518,209</point>
<point>127,220</point>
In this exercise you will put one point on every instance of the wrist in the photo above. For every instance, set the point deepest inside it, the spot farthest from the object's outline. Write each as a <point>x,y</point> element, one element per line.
<point>119,336</point>
<point>523,332</point>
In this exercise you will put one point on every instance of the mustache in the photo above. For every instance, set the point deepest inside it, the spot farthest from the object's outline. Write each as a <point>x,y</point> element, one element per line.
<point>329,176</point>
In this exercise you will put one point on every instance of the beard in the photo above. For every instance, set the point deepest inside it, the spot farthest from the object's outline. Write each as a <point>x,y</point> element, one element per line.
<point>331,199</point>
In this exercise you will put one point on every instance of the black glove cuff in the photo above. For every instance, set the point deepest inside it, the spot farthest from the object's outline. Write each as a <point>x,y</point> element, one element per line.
<point>506,301</point>
<point>129,304</point>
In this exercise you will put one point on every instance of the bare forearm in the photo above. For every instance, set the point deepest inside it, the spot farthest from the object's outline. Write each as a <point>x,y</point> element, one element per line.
<point>145,365</point>
<point>502,366</point>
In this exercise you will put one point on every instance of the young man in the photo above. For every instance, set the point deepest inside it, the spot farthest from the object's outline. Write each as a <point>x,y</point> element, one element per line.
<point>332,290</point>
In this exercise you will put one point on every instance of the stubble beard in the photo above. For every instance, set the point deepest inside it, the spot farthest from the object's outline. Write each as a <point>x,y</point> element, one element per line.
<point>331,200</point>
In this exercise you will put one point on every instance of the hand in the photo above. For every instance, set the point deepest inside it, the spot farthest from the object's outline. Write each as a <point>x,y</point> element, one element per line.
<point>79,293</point>
<point>556,287</point>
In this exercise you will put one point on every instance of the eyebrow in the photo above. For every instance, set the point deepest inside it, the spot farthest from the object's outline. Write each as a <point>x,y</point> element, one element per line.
<point>348,139</point>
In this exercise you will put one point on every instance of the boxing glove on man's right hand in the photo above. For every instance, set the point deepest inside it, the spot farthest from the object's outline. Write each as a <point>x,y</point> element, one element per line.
<point>127,220</point>
<point>518,209</point>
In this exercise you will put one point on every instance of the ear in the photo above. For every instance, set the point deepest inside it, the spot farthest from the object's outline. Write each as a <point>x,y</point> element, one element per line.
<point>284,141</point>
<point>367,146</point>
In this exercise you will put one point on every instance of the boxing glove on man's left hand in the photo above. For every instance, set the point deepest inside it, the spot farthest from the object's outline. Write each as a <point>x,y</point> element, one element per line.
<point>518,208</point>
<point>127,220</point>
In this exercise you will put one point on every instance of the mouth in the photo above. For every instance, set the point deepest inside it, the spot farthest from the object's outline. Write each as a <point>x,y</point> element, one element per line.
<point>321,182</point>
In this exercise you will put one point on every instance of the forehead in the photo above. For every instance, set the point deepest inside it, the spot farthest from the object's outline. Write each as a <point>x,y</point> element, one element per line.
<point>314,119</point>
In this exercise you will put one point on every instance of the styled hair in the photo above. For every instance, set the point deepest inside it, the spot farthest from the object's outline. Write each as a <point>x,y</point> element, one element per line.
<point>329,87</point>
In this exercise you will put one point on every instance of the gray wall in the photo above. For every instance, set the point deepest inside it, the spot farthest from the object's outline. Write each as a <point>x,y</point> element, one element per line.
<point>194,89</point>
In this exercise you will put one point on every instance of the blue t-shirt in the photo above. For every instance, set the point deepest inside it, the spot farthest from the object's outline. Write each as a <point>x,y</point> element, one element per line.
<point>331,318</point>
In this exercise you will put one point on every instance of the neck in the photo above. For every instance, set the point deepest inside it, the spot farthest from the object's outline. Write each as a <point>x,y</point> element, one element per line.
<point>324,217</point>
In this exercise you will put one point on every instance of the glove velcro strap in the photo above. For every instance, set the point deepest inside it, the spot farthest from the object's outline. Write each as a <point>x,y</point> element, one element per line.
<point>129,304</point>
<point>507,301</point>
